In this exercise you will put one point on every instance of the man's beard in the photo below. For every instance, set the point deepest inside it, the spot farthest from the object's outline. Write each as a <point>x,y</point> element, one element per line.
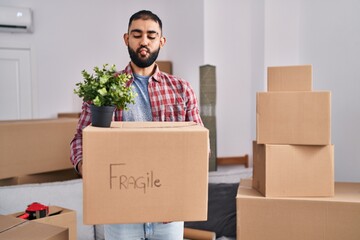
<point>143,62</point>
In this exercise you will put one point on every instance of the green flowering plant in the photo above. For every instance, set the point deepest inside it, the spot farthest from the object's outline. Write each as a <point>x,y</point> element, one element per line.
<point>105,87</point>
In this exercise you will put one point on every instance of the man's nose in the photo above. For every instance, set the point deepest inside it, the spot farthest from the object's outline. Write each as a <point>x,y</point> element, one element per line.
<point>144,40</point>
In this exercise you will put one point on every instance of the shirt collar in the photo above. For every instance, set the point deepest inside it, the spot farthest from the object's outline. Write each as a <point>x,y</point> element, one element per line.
<point>157,76</point>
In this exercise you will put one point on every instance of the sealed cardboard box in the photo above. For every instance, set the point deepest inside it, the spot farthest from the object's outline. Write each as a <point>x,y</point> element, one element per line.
<point>53,176</point>
<point>35,146</point>
<point>139,172</point>
<point>293,118</point>
<point>327,218</point>
<point>289,78</point>
<point>293,170</point>
<point>12,228</point>
<point>165,66</point>
<point>69,115</point>
<point>246,182</point>
<point>58,216</point>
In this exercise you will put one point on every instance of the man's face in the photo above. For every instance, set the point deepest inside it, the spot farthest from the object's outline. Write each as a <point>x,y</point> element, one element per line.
<point>144,41</point>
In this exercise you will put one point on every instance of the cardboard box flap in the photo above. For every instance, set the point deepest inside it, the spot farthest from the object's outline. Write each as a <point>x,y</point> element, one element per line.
<point>53,210</point>
<point>14,228</point>
<point>35,122</point>
<point>7,223</point>
<point>148,126</point>
<point>152,125</point>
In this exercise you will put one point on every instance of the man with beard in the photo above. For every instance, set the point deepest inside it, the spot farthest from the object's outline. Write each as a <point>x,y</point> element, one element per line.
<point>160,97</point>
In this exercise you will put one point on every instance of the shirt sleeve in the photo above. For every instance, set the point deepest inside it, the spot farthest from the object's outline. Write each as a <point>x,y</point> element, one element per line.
<point>192,107</point>
<point>76,143</point>
<point>193,112</point>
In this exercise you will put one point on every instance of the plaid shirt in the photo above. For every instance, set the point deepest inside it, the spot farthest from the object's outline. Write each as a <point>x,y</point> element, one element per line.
<point>171,99</point>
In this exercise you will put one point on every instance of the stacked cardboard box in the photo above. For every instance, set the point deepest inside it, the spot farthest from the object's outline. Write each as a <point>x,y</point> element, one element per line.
<point>292,194</point>
<point>296,218</point>
<point>293,155</point>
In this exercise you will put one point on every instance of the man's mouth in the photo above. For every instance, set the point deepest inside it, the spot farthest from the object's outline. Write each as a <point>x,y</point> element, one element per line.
<point>143,51</point>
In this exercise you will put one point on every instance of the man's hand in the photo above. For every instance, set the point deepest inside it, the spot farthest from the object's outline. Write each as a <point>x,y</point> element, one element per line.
<point>79,167</point>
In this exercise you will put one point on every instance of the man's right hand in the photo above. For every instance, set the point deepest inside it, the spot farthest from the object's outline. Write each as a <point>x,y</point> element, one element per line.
<point>79,167</point>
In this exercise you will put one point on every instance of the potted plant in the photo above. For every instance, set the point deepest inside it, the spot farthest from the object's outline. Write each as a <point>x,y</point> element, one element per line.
<point>105,90</point>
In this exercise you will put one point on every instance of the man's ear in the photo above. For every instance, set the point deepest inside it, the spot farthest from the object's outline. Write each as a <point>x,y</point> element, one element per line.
<point>126,39</point>
<point>162,41</point>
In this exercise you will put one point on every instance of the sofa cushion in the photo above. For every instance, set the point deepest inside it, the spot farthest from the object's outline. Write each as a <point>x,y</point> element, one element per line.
<point>221,210</point>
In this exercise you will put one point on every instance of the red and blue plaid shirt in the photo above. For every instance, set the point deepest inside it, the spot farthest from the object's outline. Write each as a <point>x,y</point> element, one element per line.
<point>171,99</point>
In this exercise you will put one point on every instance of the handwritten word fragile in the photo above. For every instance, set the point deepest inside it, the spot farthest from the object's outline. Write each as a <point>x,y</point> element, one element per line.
<point>120,180</point>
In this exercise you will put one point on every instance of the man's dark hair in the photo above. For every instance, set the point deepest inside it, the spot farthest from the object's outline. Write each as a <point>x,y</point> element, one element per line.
<point>145,15</point>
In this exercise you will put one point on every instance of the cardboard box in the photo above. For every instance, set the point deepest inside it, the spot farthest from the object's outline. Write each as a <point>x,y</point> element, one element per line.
<point>54,176</point>
<point>331,218</point>
<point>69,115</point>
<point>289,78</point>
<point>35,146</point>
<point>293,118</point>
<point>246,182</point>
<point>62,217</point>
<point>139,172</point>
<point>293,170</point>
<point>12,228</point>
<point>165,66</point>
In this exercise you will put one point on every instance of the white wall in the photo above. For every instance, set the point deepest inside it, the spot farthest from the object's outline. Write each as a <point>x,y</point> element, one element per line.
<point>281,32</point>
<point>70,36</point>
<point>234,43</point>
